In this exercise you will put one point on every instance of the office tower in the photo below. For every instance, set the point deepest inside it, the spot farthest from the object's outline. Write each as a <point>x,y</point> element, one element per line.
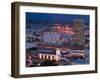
<point>78,37</point>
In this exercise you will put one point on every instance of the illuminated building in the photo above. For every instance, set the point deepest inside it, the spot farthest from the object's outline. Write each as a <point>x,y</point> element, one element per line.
<point>51,56</point>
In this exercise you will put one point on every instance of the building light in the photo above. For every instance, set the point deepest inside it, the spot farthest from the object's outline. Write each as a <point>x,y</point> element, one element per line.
<point>43,56</point>
<point>51,57</point>
<point>47,56</point>
<point>40,56</point>
<point>57,58</point>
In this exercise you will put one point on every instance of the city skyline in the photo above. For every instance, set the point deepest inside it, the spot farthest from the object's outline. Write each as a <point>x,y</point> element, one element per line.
<point>56,39</point>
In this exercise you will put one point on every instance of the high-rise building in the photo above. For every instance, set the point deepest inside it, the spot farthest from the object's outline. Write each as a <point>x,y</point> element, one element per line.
<point>78,27</point>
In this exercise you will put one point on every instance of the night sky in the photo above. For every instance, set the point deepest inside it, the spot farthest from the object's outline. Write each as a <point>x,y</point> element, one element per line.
<point>54,18</point>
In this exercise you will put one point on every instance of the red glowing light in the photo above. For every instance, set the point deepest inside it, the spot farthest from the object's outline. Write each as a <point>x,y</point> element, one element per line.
<point>66,30</point>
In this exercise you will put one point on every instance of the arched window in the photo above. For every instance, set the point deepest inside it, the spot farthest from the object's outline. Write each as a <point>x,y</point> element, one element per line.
<point>49,57</point>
